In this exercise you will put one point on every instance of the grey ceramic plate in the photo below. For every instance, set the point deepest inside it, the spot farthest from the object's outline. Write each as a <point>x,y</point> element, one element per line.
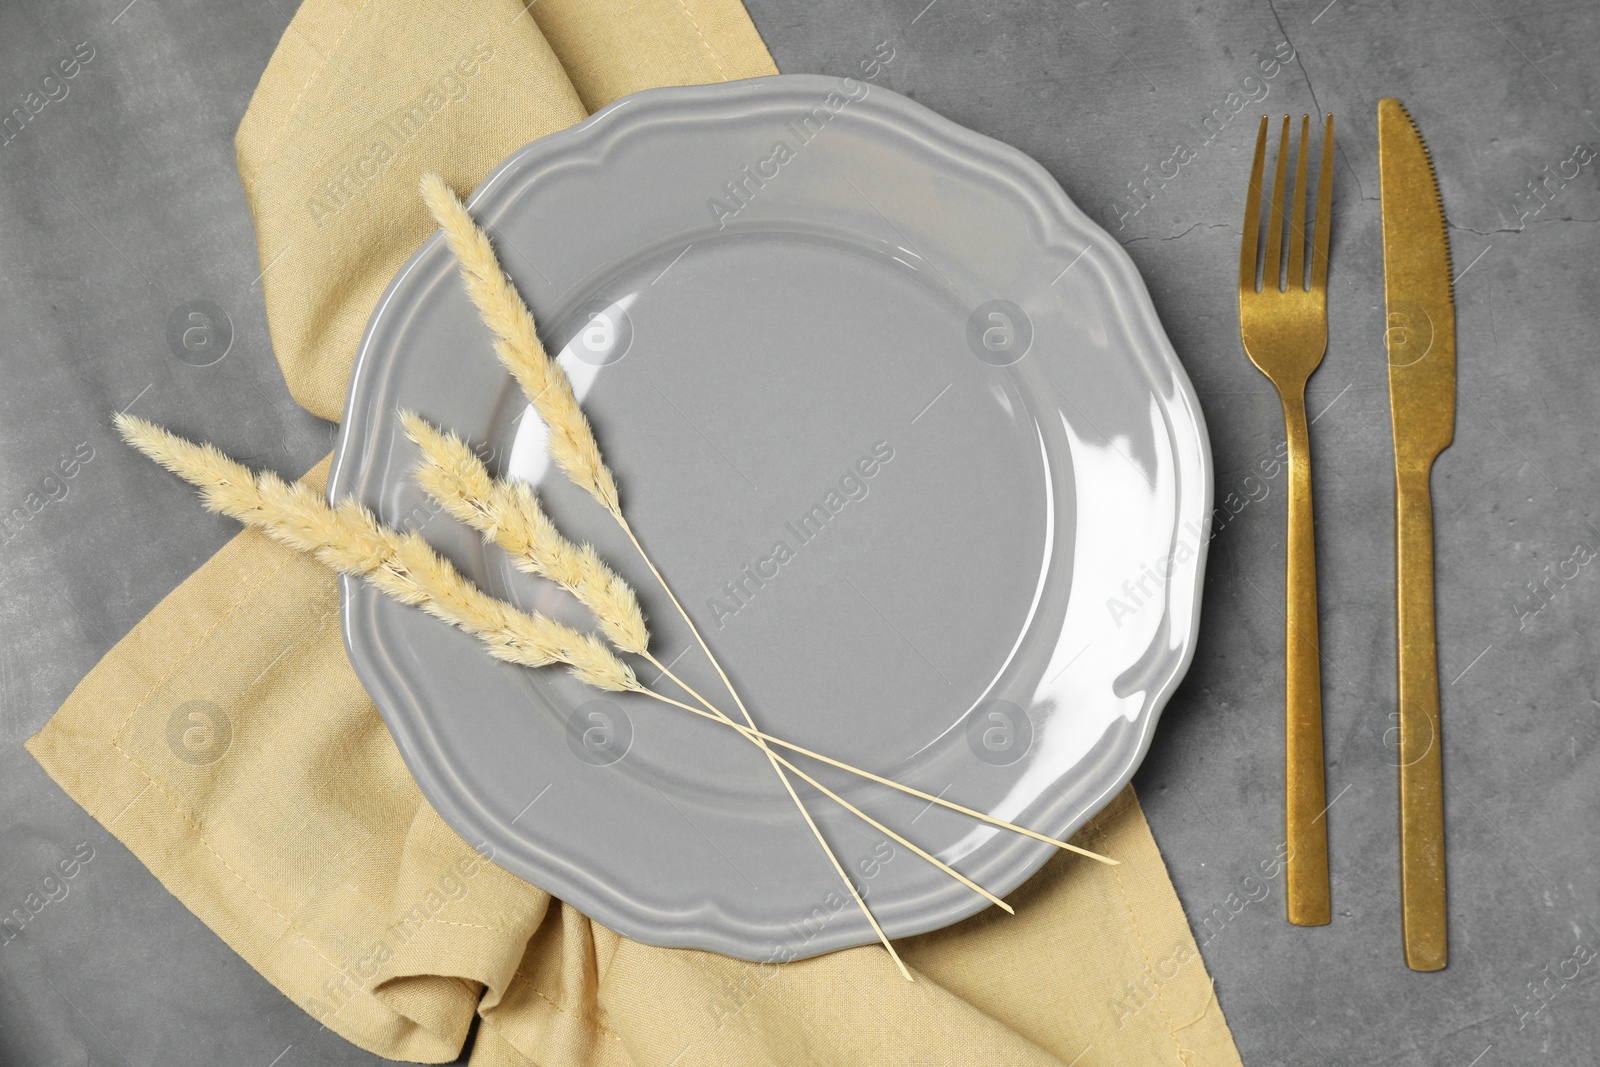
<point>900,425</point>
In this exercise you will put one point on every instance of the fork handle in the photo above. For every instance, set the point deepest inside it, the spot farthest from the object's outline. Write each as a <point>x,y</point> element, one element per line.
<point>1305,791</point>
<point>1422,873</point>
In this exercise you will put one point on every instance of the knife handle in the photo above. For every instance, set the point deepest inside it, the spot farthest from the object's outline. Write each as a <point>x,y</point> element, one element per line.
<point>1305,805</point>
<point>1422,872</point>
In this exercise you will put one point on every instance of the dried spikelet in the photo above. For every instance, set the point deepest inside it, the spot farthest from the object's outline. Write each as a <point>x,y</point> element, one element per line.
<point>572,444</point>
<point>508,513</point>
<point>348,538</point>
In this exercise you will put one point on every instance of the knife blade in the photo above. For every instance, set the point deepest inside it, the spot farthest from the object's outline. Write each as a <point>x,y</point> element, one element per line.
<point>1421,345</point>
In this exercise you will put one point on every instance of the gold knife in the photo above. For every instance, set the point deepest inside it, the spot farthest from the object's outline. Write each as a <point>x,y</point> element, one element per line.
<point>1420,336</point>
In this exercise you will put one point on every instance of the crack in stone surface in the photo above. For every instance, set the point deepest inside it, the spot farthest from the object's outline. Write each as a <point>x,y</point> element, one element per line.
<point>1185,233</point>
<point>1297,62</point>
<point>1515,229</point>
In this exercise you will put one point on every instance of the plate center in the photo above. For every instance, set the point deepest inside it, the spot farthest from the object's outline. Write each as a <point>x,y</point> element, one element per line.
<point>847,497</point>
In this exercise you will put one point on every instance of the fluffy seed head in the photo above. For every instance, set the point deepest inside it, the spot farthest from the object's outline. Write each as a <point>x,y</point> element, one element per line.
<point>348,538</point>
<point>572,444</point>
<point>508,513</point>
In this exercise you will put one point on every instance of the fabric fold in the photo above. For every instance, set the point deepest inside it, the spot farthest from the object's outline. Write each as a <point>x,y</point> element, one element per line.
<point>356,104</point>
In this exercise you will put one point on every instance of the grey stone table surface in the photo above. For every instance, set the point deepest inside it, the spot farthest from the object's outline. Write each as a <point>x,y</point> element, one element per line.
<point>120,209</point>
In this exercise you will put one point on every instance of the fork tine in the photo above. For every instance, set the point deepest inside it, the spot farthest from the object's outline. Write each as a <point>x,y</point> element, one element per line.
<point>1269,275</point>
<point>1319,247</point>
<point>1249,245</point>
<point>1297,217</point>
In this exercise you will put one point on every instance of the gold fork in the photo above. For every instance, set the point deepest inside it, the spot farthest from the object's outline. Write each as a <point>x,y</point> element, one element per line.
<point>1284,326</point>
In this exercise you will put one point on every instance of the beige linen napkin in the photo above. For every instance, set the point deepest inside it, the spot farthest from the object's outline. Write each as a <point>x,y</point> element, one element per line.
<point>228,744</point>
